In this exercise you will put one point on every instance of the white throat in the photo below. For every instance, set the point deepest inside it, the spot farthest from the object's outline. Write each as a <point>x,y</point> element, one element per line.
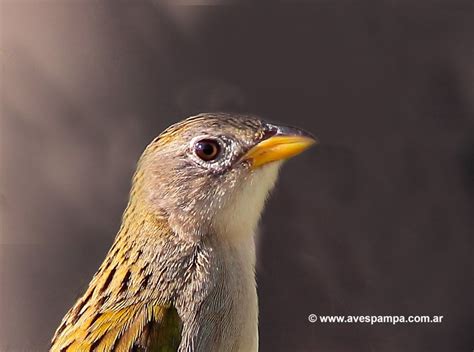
<point>239,218</point>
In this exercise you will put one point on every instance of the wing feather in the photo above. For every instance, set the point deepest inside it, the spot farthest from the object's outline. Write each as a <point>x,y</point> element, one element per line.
<point>147,325</point>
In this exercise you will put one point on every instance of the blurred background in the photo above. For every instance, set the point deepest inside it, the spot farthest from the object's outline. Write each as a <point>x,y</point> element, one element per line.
<point>377,221</point>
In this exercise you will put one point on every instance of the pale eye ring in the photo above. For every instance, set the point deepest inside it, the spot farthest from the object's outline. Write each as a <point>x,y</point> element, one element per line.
<point>207,149</point>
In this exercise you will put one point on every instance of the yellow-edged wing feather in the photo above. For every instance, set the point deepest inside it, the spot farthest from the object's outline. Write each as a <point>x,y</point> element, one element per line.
<point>139,327</point>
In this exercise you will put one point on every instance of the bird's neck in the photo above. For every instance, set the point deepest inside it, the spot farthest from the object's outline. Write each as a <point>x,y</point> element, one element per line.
<point>218,293</point>
<point>220,279</point>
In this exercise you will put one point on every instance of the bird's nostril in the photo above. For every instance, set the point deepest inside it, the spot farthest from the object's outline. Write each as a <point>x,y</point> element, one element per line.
<point>269,131</point>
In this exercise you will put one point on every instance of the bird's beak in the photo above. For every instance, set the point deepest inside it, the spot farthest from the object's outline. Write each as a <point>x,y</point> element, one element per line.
<point>280,143</point>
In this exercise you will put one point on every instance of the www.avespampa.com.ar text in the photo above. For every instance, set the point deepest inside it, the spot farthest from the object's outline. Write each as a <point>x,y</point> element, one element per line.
<point>374,319</point>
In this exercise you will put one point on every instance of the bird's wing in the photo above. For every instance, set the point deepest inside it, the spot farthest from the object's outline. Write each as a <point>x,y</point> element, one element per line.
<point>141,326</point>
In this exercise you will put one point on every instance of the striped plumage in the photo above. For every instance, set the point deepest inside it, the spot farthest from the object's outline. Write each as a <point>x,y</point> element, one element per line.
<point>124,308</point>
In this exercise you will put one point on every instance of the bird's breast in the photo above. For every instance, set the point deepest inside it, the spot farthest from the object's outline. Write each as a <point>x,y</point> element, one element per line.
<point>227,317</point>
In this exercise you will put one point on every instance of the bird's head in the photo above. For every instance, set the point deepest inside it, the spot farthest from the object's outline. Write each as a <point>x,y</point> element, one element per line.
<point>211,173</point>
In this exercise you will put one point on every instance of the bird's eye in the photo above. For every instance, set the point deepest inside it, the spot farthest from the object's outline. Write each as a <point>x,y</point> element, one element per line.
<point>207,149</point>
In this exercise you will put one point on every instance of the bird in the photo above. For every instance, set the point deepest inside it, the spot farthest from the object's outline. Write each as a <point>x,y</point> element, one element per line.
<point>180,274</point>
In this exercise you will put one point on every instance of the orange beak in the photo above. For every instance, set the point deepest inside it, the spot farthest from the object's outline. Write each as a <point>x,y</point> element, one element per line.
<point>284,143</point>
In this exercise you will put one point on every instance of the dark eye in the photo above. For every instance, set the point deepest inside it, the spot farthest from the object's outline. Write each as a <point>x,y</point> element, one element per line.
<point>207,149</point>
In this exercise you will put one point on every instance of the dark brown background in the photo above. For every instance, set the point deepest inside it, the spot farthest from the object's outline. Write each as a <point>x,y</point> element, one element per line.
<point>378,220</point>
